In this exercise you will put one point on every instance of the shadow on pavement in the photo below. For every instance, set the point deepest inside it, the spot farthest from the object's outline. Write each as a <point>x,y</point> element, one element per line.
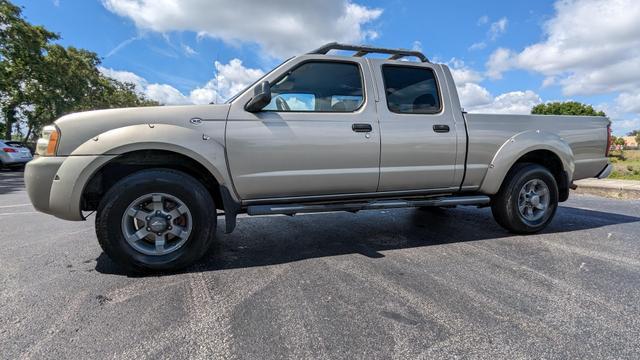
<point>263,241</point>
<point>11,181</point>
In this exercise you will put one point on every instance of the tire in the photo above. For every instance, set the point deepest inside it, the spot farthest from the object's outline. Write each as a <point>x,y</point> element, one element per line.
<point>522,206</point>
<point>158,193</point>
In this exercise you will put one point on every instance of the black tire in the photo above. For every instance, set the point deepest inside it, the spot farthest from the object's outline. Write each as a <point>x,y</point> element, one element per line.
<point>175,183</point>
<point>504,204</point>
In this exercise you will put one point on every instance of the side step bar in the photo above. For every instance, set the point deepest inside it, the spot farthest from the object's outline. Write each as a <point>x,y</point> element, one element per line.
<point>292,209</point>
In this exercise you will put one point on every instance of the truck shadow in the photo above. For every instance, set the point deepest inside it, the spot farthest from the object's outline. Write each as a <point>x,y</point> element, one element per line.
<point>263,241</point>
<point>11,181</point>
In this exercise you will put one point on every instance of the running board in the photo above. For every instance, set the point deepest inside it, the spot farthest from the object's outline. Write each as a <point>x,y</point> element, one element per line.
<point>292,209</point>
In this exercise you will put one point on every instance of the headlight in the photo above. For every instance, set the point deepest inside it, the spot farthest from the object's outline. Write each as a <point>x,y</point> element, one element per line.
<point>48,143</point>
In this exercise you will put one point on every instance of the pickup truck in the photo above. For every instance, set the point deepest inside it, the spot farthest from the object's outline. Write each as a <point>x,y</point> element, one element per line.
<point>320,132</point>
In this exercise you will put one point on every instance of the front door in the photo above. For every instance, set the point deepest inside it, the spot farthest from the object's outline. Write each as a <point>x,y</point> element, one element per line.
<point>318,136</point>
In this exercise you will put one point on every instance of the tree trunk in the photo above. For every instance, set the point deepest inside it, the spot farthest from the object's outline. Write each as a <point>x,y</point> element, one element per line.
<point>9,120</point>
<point>26,138</point>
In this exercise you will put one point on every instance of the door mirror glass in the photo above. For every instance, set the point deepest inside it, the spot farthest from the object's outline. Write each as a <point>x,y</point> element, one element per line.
<point>261,97</point>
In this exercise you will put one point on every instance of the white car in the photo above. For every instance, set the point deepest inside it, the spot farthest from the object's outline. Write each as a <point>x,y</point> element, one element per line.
<point>14,154</point>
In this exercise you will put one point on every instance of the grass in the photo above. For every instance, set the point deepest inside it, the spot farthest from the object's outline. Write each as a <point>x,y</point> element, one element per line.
<point>626,165</point>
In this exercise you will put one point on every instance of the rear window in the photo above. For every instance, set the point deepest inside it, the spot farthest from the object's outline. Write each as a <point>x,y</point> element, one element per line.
<point>411,90</point>
<point>16,144</point>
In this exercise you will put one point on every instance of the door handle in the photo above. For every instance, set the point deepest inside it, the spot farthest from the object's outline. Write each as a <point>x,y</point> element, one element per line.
<point>361,127</point>
<point>441,128</point>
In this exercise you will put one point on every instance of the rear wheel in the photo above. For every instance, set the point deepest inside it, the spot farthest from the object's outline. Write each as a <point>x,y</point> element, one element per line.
<point>156,220</point>
<point>527,200</point>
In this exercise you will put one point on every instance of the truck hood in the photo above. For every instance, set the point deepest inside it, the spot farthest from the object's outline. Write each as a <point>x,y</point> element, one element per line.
<point>77,128</point>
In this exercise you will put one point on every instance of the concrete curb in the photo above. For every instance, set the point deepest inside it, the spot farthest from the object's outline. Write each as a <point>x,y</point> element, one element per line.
<point>611,188</point>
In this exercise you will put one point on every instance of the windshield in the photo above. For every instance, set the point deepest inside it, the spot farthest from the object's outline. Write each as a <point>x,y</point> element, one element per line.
<point>257,81</point>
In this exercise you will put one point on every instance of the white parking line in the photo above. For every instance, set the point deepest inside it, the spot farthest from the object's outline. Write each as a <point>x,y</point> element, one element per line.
<point>21,213</point>
<point>10,206</point>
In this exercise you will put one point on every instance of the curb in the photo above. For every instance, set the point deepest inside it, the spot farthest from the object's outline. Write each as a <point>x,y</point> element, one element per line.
<point>611,188</point>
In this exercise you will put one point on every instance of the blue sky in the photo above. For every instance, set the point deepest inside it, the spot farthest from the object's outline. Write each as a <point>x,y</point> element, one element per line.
<point>506,55</point>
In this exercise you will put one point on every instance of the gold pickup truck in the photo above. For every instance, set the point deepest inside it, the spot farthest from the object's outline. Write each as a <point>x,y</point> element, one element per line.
<point>318,133</point>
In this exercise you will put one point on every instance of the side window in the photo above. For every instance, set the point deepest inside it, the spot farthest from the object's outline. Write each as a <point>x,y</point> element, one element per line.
<point>318,87</point>
<point>411,90</point>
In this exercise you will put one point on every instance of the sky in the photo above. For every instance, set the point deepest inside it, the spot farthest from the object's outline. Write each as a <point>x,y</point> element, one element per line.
<point>506,56</point>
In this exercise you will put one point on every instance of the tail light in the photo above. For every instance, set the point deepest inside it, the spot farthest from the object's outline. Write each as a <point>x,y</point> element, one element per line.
<point>8,150</point>
<point>609,140</point>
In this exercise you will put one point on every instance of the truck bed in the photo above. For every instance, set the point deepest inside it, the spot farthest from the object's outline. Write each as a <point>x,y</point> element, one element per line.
<point>585,135</point>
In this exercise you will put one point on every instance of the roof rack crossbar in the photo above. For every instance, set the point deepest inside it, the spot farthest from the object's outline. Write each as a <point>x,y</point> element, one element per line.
<point>364,50</point>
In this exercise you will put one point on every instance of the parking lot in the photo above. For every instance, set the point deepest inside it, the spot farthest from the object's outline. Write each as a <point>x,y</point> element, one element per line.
<point>404,284</point>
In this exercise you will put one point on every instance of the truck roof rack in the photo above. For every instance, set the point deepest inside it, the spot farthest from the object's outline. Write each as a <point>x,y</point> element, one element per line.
<point>361,50</point>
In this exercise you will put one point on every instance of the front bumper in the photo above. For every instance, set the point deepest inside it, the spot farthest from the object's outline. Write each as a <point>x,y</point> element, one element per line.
<point>55,183</point>
<point>38,179</point>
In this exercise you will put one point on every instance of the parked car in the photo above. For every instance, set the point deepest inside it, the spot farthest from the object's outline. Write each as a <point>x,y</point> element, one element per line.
<point>14,154</point>
<point>318,133</point>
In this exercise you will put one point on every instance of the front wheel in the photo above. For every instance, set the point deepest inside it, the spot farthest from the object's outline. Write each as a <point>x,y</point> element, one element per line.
<point>157,219</point>
<point>527,200</point>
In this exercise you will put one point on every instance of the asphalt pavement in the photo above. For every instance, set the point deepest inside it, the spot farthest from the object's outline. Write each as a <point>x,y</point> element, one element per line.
<point>403,284</point>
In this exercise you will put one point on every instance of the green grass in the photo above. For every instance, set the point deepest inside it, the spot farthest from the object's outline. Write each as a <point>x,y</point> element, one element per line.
<point>626,165</point>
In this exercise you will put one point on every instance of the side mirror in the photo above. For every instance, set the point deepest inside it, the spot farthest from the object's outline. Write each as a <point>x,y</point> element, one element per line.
<point>261,97</point>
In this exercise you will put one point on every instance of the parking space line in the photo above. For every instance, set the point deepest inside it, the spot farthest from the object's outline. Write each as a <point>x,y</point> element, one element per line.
<point>20,213</point>
<point>11,206</point>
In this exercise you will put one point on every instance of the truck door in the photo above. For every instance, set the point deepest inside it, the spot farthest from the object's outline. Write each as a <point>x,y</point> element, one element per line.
<point>318,136</point>
<point>420,148</point>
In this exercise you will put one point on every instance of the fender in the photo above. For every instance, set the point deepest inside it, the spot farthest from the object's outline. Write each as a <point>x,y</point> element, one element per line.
<point>195,143</point>
<point>517,146</point>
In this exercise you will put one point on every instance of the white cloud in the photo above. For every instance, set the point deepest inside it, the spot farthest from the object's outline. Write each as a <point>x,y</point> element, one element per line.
<point>622,127</point>
<point>515,102</point>
<point>461,73</point>
<point>417,46</point>
<point>233,77</point>
<point>125,76</point>
<point>590,46</point>
<point>498,28</point>
<point>230,78</point>
<point>500,61</point>
<point>188,50</point>
<point>472,95</point>
<point>478,46</point>
<point>629,102</point>
<point>122,45</point>
<point>281,28</point>
<point>166,94</point>
<point>475,98</point>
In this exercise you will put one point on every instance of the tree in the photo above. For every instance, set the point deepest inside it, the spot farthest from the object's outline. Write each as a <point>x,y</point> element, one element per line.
<point>566,108</point>
<point>74,83</point>
<point>635,133</point>
<point>41,81</point>
<point>21,56</point>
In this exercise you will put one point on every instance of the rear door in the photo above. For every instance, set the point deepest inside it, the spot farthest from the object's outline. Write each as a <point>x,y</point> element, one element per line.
<point>420,146</point>
<point>319,135</point>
